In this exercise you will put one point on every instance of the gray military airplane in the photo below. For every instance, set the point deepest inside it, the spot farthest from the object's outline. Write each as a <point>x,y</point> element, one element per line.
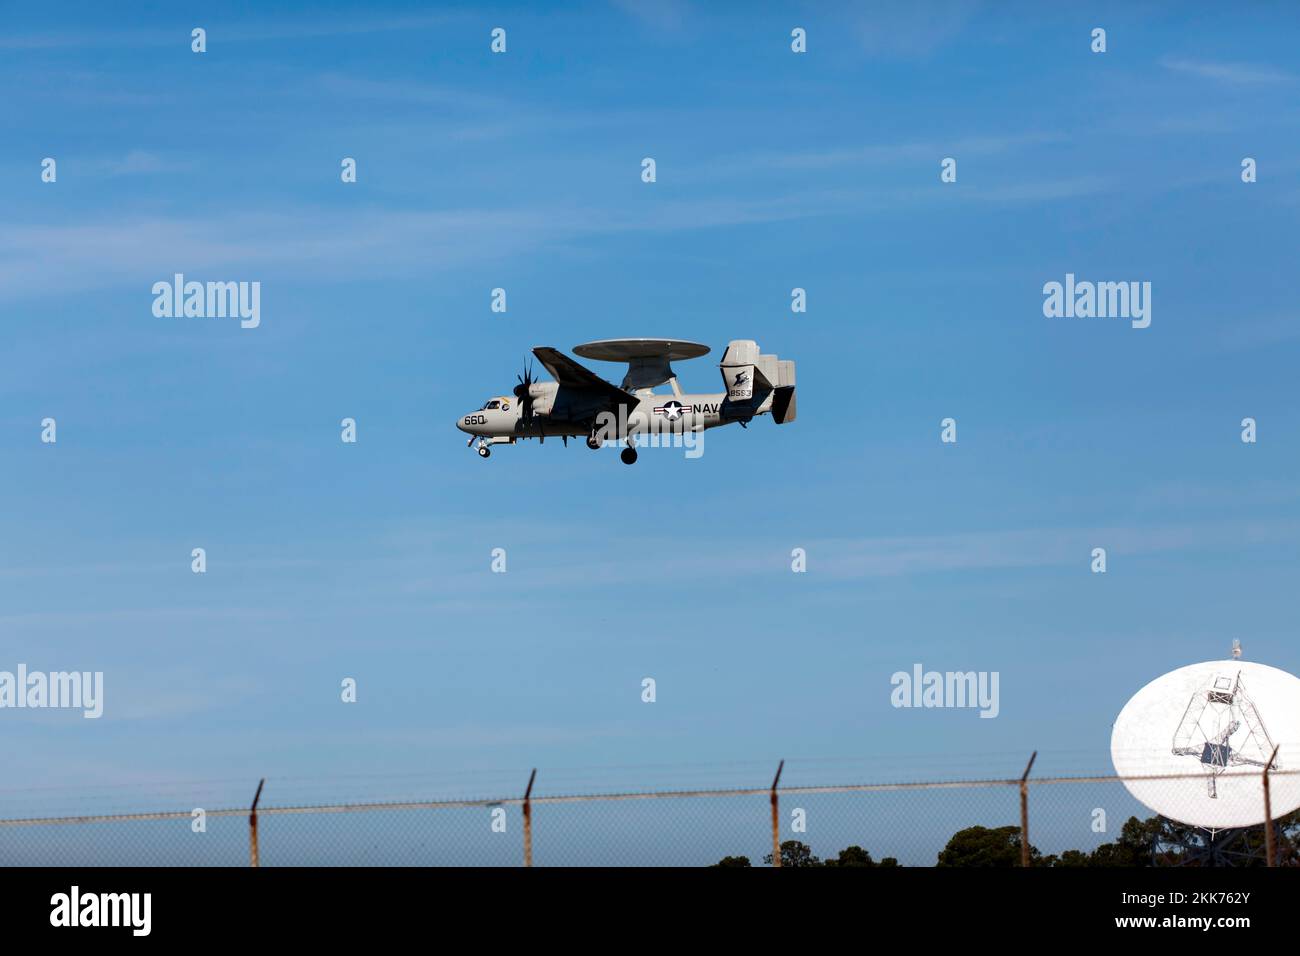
<point>580,403</point>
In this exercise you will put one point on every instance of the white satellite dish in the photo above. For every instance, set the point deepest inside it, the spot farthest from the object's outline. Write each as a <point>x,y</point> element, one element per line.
<point>1217,723</point>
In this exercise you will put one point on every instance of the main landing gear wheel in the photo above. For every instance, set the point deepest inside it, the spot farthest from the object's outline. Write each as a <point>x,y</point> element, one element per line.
<point>594,443</point>
<point>484,451</point>
<point>628,455</point>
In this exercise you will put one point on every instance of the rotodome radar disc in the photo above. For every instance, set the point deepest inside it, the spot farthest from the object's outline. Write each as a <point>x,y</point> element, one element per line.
<point>1218,722</point>
<point>626,350</point>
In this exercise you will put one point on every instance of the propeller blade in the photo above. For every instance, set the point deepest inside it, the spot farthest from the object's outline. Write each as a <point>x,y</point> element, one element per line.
<point>523,391</point>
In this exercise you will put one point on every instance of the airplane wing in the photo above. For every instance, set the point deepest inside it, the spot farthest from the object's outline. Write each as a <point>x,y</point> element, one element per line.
<point>571,375</point>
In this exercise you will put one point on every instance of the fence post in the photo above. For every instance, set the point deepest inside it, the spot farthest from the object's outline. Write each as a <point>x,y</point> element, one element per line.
<point>528,820</point>
<point>1024,811</point>
<point>252,825</point>
<point>1270,843</point>
<point>776,825</point>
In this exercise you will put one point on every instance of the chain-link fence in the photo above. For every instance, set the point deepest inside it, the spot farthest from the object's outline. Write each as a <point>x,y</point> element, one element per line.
<point>1057,821</point>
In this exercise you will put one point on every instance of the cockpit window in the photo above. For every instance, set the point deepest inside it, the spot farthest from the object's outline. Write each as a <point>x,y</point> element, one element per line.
<point>492,404</point>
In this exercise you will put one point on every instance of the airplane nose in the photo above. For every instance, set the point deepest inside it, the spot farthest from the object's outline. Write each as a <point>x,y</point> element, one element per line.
<point>460,423</point>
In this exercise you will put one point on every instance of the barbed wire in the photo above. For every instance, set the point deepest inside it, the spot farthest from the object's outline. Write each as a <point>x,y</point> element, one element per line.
<point>503,801</point>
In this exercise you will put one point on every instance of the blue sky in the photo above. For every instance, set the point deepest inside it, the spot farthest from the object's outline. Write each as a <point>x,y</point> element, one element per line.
<point>522,171</point>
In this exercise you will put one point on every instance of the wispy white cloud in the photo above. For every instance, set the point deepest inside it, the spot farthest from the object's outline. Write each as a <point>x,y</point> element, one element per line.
<point>1040,191</point>
<point>304,28</point>
<point>308,242</point>
<point>666,16</point>
<point>995,550</point>
<point>90,38</point>
<point>876,556</point>
<point>367,244</point>
<point>435,579</point>
<point>379,243</point>
<point>1183,494</point>
<point>161,616</point>
<point>1234,73</point>
<point>137,162</point>
<point>395,243</point>
<point>413,92</point>
<point>906,152</point>
<point>1253,333</point>
<point>910,31</point>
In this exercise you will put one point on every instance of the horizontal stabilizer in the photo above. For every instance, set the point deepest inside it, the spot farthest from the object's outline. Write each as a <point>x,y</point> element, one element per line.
<point>783,406</point>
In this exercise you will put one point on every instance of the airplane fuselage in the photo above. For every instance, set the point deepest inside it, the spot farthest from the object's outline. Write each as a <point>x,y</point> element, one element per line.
<point>659,413</point>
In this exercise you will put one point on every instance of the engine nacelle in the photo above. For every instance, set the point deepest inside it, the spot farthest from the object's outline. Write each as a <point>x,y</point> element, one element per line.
<point>543,396</point>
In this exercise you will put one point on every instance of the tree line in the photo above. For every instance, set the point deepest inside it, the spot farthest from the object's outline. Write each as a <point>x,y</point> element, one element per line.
<point>1155,841</point>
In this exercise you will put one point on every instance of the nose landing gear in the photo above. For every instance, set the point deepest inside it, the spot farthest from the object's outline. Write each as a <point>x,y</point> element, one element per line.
<point>628,455</point>
<point>484,451</point>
